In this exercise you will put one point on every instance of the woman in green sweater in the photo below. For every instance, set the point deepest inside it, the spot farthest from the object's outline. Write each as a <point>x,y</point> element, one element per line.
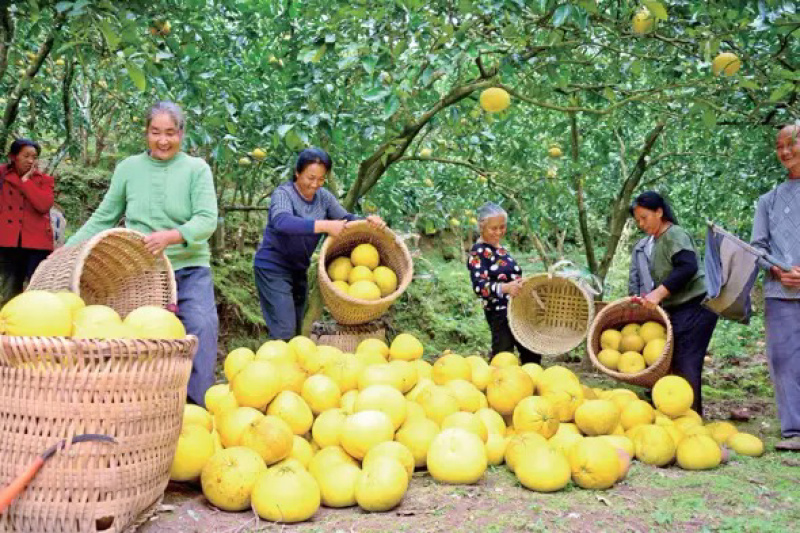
<point>169,196</point>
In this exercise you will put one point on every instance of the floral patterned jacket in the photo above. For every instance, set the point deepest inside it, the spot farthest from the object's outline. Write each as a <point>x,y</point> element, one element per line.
<point>489,268</point>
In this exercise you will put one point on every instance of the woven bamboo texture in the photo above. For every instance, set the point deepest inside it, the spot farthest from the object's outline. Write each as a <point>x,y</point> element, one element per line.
<point>347,338</point>
<point>615,315</point>
<point>112,268</point>
<point>394,254</point>
<point>550,315</point>
<point>53,388</point>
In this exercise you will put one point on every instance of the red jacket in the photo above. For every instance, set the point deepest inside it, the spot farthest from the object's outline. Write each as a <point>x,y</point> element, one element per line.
<point>25,210</point>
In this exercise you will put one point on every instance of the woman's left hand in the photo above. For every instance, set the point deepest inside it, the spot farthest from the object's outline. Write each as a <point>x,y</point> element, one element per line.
<point>376,221</point>
<point>157,241</point>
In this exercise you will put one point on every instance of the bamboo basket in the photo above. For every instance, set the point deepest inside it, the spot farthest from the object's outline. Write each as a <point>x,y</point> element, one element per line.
<point>551,314</point>
<point>112,268</point>
<point>345,309</point>
<point>347,338</point>
<point>615,315</point>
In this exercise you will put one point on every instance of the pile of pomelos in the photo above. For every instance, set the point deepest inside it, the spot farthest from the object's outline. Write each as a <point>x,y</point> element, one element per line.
<point>632,348</point>
<point>300,425</point>
<point>361,275</point>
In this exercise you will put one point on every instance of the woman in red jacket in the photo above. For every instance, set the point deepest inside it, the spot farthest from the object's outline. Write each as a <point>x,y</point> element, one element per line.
<point>26,236</point>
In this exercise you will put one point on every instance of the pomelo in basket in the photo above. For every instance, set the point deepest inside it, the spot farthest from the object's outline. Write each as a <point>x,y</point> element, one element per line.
<point>151,322</point>
<point>36,313</point>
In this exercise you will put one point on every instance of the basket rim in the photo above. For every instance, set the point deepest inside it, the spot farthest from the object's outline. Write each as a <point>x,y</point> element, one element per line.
<point>648,371</point>
<point>323,277</point>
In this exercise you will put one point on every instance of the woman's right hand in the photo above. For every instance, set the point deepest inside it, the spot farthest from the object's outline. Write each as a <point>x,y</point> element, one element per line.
<point>512,288</point>
<point>331,227</point>
<point>789,279</point>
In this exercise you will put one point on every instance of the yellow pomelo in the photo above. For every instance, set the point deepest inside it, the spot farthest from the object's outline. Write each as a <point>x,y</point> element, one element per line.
<point>652,330</point>
<point>424,369</point>
<point>364,290</point>
<point>589,394</point>
<point>214,397</point>
<point>344,371</point>
<point>609,358</point>
<point>630,329</point>
<point>610,339</point>
<point>457,456</point>
<point>536,413</point>
<point>385,279</point>
<point>467,421</point>
<point>594,463</point>
<point>380,374</point>
<point>494,99</point>
<point>291,376</point>
<point>365,429</point>
<point>383,398</point>
<point>543,469</point>
<point>553,375</point>
<point>745,444</point>
<point>467,394</point>
<point>327,427</point>
<point>233,423</point>
<point>337,485</point>
<point>643,21</point>
<point>726,62</point>
<point>631,343</point>
<point>339,269</point>
<point>275,351</point>
<point>631,363</point>
<point>566,397</point>
<point>653,350</point>
<point>270,437</point>
<point>568,427</point>
<point>695,429</point>
<point>217,441</point>
<point>222,405</point>
<point>451,366</point>
<point>286,495</point>
<point>415,411</point>
<point>348,401</point>
<point>321,393</point>
<point>698,452</point>
<point>290,462</point>
<point>382,485</point>
<point>292,409</point>
<point>342,286</point>
<point>393,449</point>
<point>564,442</point>
<point>621,397</point>
<point>676,433</point>
<point>327,355</point>
<point>521,444</point>
<point>417,436</point>
<point>236,360</point>
<point>480,370</point>
<point>74,302</point>
<point>673,396</point>
<point>496,448</point>
<point>151,322</point>
<point>103,331</point>
<point>256,384</point>
<point>95,315</point>
<point>370,358</point>
<point>365,255</point>
<point>406,347</point>
<point>720,431</point>
<point>654,445</point>
<point>438,402</point>
<point>303,349</point>
<point>301,451</point>
<point>534,371</point>
<point>195,448</point>
<point>637,413</point>
<point>421,385</point>
<point>597,417</point>
<point>622,442</point>
<point>36,313</point>
<point>408,373</point>
<point>691,414</point>
<point>374,345</point>
<point>503,359</point>
<point>229,476</point>
<point>360,273</point>
<point>194,414</point>
<point>507,387</point>
<point>492,420</point>
<point>326,458</point>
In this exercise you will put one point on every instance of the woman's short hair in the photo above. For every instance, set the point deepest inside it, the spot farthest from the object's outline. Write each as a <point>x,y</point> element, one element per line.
<point>18,144</point>
<point>651,200</point>
<point>169,108</point>
<point>310,156</point>
<point>490,210</point>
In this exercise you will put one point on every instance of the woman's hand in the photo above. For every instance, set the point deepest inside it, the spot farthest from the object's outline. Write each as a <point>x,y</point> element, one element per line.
<point>25,177</point>
<point>512,288</point>
<point>376,221</point>
<point>331,227</point>
<point>653,298</point>
<point>789,279</point>
<point>156,242</point>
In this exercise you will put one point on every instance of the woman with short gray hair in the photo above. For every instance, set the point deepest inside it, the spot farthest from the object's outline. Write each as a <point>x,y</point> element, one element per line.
<point>496,277</point>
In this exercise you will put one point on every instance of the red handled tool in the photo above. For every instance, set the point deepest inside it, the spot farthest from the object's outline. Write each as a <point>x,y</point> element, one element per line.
<point>13,490</point>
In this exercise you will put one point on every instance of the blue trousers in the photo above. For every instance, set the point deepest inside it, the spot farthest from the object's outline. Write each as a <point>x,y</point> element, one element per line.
<point>198,312</point>
<point>783,352</point>
<point>282,294</point>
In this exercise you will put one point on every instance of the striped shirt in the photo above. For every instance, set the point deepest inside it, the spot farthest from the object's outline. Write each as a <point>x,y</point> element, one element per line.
<point>776,230</point>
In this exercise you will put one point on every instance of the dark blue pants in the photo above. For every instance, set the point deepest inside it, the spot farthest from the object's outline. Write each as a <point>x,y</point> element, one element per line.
<point>198,312</point>
<point>503,339</point>
<point>692,327</point>
<point>16,266</point>
<point>282,294</point>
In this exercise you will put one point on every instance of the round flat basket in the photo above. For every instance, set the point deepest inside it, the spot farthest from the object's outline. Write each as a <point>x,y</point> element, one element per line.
<point>550,315</point>
<point>112,268</point>
<point>53,388</point>
<point>347,338</point>
<point>394,254</point>
<point>615,315</point>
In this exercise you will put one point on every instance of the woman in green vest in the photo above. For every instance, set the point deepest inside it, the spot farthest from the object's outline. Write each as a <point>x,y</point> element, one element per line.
<point>678,286</point>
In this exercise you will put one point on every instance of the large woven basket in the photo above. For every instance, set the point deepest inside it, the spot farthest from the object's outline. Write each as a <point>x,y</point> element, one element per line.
<point>551,314</point>
<point>347,338</point>
<point>112,268</point>
<point>394,254</point>
<point>53,388</point>
<point>615,315</point>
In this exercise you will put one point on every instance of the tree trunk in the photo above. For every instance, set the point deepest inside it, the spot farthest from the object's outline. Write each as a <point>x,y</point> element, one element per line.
<point>583,219</point>
<point>66,103</point>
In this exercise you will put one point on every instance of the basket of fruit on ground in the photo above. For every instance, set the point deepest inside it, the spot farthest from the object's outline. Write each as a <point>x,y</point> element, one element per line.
<point>362,272</point>
<point>67,368</point>
<point>631,342</point>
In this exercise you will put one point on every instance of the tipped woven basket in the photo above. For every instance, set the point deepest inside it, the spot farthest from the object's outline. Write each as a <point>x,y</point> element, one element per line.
<point>112,268</point>
<point>394,254</point>
<point>551,314</point>
<point>347,338</point>
<point>615,315</point>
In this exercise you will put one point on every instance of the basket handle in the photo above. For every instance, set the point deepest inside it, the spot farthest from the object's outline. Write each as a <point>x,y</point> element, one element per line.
<point>538,299</point>
<point>587,280</point>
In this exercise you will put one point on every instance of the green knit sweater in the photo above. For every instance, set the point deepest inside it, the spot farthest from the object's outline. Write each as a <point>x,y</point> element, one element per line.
<point>156,195</point>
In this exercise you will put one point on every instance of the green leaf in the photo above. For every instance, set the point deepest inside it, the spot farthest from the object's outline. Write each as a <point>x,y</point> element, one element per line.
<point>561,15</point>
<point>780,92</point>
<point>307,56</point>
<point>391,106</point>
<point>283,129</point>
<point>709,118</point>
<point>109,34</point>
<point>319,54</point>
<point>749,84</point>
<point>657,9</point>
<point>137,75</point>
<point>609,93</point>
<point>589,5</point>
<point>376,94</point>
